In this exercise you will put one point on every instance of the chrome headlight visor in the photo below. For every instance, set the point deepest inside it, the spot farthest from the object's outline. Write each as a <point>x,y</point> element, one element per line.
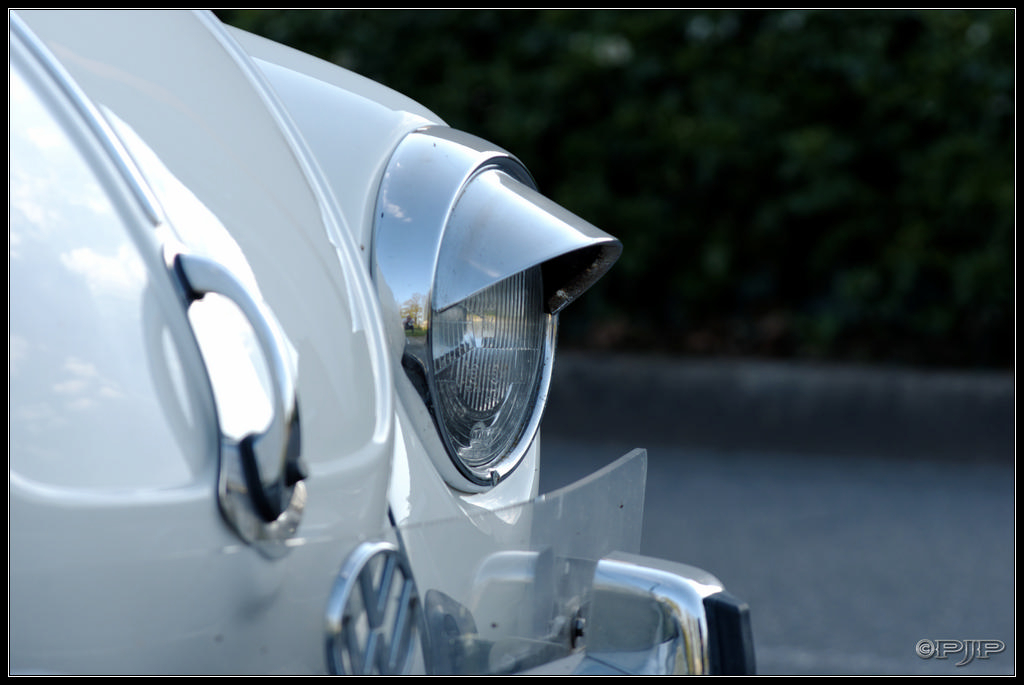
<point>476,265</point>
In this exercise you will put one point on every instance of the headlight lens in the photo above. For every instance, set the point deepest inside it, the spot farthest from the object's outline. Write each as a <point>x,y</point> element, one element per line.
<point>488,354</point>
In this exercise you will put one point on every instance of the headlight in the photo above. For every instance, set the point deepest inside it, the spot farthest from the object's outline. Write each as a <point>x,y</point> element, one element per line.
<point>477,265</point>
<point>488,356</point>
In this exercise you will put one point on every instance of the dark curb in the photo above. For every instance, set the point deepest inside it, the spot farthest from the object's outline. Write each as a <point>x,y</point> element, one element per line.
<point>782,407</point>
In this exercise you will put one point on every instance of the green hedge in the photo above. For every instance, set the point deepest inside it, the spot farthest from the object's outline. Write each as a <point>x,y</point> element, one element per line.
<point>826,184</point>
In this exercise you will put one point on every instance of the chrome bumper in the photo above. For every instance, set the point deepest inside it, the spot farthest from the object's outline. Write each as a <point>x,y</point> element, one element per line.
<point>655,617</point>
<point>644,616</point>
<point>551,586</point>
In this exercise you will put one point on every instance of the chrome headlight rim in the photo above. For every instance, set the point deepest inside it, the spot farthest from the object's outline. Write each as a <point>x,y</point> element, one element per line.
<point>456,215</point>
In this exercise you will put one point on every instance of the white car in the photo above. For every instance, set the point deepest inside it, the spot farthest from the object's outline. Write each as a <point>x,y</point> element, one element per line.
<point>279,344</point>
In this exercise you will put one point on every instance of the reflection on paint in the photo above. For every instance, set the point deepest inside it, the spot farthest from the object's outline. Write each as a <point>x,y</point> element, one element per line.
<point>81,312</point>
<point>237,369</point>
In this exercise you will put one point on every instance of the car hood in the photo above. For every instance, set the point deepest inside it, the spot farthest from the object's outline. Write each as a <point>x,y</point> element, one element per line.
<point>197,118</point>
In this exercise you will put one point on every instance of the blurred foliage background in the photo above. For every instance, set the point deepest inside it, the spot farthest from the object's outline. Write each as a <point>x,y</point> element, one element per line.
<point>834,185</point>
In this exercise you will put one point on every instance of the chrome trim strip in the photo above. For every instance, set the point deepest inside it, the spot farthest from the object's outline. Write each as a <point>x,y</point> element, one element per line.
<point>93,118</point>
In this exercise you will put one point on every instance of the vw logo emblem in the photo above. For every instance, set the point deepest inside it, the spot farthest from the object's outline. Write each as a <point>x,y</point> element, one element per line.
<point>374,616</point>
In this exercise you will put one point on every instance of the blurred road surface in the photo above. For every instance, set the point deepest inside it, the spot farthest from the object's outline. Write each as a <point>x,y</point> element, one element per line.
<point>849,552</point>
